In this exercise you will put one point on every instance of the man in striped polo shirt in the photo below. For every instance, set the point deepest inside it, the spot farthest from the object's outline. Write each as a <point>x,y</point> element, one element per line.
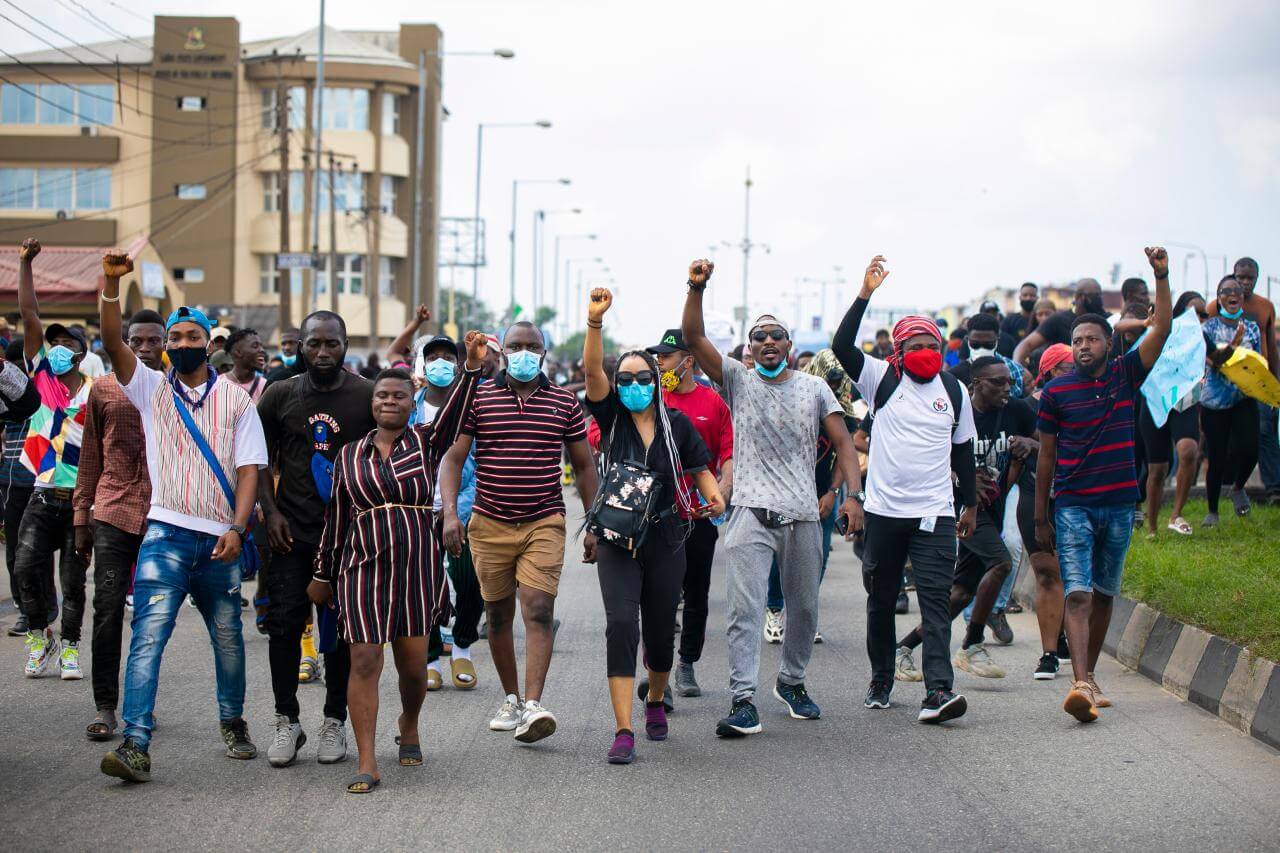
<point>194,532</point>
<point>1086,427</point>
<point>519,424</point>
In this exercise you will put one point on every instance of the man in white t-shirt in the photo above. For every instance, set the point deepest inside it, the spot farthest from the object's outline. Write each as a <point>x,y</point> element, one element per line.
<point>196,529</point>
<point>923,432</point>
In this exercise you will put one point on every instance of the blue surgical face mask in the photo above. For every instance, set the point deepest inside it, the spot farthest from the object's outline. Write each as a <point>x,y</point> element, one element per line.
<point>1232,315</point>
<point>288,359</point>
<point>522,366</point>
<point>770,374</point>
<point>636,397</point>
<point>60,359</point>
<point>440,372</point>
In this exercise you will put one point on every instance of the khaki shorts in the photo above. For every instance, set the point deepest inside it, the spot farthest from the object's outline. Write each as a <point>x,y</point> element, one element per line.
<point>509,555</point>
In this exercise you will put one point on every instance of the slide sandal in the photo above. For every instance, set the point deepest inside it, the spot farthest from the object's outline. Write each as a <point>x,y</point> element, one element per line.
<point>464,674</point>
<point>99,730</point>
<point>410,755</point>
<point>363,784</point>
<point>1178,524</point>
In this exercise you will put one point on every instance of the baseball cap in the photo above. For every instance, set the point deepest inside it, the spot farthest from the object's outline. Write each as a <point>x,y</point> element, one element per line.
<point>221,359</point>
<point>187,314</point>
<point>768,320</point>
<point>219,333</point>
<point>672,341</point>
<point>55,330</point>
<point>989,306</point>
<point>440,341</point>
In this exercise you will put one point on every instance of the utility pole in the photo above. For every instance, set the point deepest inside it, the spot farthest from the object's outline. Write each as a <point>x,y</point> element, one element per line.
<point>419,158</point>
<point>319,117</point>
<point>284,276</point>
<point>333,240</point>
<point>746,253</point>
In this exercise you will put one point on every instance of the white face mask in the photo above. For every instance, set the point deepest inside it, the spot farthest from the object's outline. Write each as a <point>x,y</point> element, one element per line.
<point>976,353</point>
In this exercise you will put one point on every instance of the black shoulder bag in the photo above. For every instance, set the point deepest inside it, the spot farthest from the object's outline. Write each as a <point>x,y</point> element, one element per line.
<point>626,504</point>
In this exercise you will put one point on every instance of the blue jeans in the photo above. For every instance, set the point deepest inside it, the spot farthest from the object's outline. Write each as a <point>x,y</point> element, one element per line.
<point>776,600</point>
<point>1268,449</point>
<point>173,563</point>
<point>1092,544</point>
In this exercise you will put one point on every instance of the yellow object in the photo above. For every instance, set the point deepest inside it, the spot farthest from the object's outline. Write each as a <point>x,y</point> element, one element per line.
<point>1247,370</point>
<point>309,666</point>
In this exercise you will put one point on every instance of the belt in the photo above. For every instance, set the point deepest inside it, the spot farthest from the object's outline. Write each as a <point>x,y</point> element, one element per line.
<point>61,494</point>
<point>392,506</point>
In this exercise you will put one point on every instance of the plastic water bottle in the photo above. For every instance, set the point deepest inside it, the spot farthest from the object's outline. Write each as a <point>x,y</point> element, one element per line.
<point>719,519</point>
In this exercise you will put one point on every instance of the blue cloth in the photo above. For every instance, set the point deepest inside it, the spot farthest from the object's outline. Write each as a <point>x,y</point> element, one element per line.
<point>184,314</point>
<point>1092,544</point>
<point>173,563</point>
<point>1219,393</point>
<point>12,471</point>
<point>1178,369</point>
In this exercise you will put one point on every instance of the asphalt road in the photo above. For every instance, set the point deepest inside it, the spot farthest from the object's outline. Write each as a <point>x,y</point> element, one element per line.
<point>1015,773</point>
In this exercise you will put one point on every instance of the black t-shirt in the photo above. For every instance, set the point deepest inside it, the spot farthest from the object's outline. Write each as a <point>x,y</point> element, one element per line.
<point>286,371</point>
<point>305,428</point>
<point>626,444</point>
<point>1017,326</point>
<point>1057,329</point>
<point>995,428</point>
<point>1005,344</point>
<point>825,468</point>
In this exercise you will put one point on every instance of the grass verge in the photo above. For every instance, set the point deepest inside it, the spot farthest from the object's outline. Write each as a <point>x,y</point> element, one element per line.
<point>1225,580</point>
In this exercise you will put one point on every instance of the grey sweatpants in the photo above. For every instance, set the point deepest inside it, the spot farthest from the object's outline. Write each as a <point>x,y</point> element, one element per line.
<point>751,548</point>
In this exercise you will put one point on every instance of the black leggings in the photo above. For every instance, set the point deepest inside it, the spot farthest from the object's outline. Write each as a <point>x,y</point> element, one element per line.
<point>1231,445</point>
<point>641,593</point>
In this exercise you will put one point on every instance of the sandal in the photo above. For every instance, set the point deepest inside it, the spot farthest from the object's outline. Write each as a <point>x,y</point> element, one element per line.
<point>1178,524</point>
<point>100,730</point>
<point>261,603</point>
<point>464,673</point>
<point>410,755</point>
<point>434,680</point>
<point>363,784</point>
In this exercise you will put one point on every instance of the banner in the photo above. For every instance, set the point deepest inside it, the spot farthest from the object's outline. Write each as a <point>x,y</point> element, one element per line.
<point>1179,368</point>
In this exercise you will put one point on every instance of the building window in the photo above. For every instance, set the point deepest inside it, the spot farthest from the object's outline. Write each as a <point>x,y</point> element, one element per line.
<point>387,198</point>
<point>390,114</point>
<point>269,277</point>
<point>191,103</point>
<point>190,275</point>
<point>55,189</point>
<point>191,192</point>
<point>18,104</point>
<point>348,190</point>
<point>271,192</point>
<point>56,103</point>
<point>96,103</point>
<point>386,276</point>
<point>297,96</point>
<point>350,274</point>
<point>346,109</point>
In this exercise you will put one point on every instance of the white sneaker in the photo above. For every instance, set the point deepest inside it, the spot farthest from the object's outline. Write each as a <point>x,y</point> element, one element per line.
<point>773,626</point>
<point>42,649</point>
<point>69,661</point>
<point>508,717</point>
<point>905,666</point>
<point>536,722</point>
<point>976,660</point>
<point>285,742</point>
<point>128,601</point>
<point>333,742</point>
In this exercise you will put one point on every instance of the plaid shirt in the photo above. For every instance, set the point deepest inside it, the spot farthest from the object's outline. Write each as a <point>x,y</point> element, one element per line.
<point>112,485</point>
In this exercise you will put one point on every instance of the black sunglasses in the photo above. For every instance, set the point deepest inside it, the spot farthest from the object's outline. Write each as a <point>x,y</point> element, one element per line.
<point>760,335</point>
<point>644,377</point>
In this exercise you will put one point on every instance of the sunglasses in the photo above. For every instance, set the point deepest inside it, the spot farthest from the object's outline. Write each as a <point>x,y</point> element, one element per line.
<point>760,336</point>
<point>644,377</point>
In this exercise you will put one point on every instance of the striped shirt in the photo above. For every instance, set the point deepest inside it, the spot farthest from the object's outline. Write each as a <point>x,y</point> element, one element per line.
<point>1094,422</point>
<point>518,446</point>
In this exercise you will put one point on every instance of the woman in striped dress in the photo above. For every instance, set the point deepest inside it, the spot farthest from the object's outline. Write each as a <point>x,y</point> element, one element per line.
<point>378,560</point>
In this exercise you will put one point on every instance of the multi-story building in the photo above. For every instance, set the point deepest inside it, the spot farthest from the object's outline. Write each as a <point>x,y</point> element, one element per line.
<point>171,145</point>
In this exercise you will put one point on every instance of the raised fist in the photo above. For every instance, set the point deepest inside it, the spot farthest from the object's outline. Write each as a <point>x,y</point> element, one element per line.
<point>477,343</point>
<point>1159,259</point>
<point>116,264</point>
<point>700,272</point>
<point>30,248</point>
<point>422,315</point>
<point>875,274</point>
<point>601,300</point>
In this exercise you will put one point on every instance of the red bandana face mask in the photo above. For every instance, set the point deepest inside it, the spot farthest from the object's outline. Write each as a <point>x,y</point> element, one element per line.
<point>922,364</point>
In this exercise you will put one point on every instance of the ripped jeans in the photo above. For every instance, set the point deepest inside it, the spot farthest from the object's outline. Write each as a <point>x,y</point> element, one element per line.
<point>173,563</point>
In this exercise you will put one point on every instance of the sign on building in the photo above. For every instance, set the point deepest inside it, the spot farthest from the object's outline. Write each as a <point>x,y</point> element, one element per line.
<point>294,261</point>
<point>152,280</point>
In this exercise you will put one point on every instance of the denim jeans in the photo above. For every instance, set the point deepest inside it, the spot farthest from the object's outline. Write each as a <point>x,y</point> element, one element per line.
<point>173,563</point>
<point>46,527</point>
<point>1092,544</point>
<point>1268,449</point>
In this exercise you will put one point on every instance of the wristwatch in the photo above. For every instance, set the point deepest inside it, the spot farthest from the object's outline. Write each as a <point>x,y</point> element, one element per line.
<point>860,497</point>
<point>239,529</point>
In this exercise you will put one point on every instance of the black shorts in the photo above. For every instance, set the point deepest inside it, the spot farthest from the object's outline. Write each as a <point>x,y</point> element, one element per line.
<point>980,553</point>
<point>1160,441</point>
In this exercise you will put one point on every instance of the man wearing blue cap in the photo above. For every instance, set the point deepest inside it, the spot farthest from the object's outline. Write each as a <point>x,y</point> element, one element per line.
<point>204,447</point>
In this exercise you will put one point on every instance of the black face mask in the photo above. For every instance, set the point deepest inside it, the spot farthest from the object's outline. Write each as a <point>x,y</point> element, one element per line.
<point>1028,305</point>
<point>187,360</point>
<point>1091,304</point>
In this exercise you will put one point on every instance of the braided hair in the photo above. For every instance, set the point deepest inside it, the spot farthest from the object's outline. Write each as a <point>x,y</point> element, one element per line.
<point>684,499</point>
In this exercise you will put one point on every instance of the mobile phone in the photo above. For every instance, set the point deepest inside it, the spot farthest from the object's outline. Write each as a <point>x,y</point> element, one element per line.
<point>842,524</point>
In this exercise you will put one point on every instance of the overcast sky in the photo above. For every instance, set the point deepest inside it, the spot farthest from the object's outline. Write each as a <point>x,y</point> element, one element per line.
<point>973,144</point>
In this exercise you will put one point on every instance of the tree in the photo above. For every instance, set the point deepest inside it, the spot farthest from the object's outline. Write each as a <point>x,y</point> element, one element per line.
<point>468,313</point>
<point>544,315</point>
<point>572,346</point>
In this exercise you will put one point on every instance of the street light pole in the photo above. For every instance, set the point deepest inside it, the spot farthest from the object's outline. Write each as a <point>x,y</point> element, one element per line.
<point>539,255</point>
<point>562,306</point>
<point>514,212</point>
<point>475,228</point>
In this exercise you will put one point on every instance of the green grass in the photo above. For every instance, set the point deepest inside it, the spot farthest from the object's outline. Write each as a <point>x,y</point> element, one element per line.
<point>1225,580</point>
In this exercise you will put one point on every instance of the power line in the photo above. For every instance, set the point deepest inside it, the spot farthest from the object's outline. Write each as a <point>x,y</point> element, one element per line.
<point>98,21</point>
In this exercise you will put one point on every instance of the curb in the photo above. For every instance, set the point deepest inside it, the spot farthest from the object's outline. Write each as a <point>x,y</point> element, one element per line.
<point>1222,678</point>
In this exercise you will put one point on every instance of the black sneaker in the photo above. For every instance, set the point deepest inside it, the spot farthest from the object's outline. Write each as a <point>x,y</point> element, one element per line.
<point>797,700</point>
<point>940,706</point>
<point>127,762</point>
<point>1047,669</point>
<point>743,720</point>
<point>878,694</point>
<point>1064,653</point>
<point>668,696</point>
<point>1000,629</point>
<point>903,605</point>
<point>20,627</point>
<point>235,734</point>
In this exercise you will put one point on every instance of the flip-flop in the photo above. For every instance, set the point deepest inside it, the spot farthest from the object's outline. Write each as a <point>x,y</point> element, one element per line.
<point>464,673</point>
<point>363,784</point>
<point>99,730</point>
<point>1178,524</point>
<point>410,754</point>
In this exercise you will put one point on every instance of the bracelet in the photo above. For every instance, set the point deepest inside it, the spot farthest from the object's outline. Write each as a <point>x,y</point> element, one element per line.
<point>106,298</point>
<point>591,325</point>
<point>697,288</point>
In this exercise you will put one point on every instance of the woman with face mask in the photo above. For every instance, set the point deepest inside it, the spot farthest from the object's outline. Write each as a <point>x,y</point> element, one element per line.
<point>1228,418</point>
<point>643,584</point>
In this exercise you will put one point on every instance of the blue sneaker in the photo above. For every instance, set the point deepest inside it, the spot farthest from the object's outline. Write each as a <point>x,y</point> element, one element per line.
<point>743,720</point>
<point>797,700</point>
